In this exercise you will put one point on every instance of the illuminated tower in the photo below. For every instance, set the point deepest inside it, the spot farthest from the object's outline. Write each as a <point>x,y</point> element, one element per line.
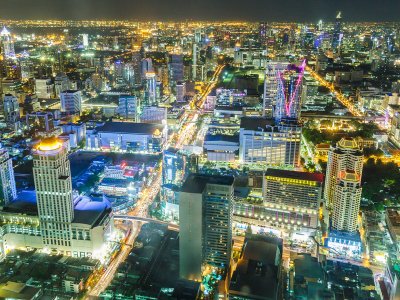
<point>346,201</point>
<point>52,177</point>
<point>288,98</point>
<point>346,156</point>
<point>150,92</point>
<point>8,191</point>
<point>7,43</point>
<point>271,83</point>
<point>337,31</point>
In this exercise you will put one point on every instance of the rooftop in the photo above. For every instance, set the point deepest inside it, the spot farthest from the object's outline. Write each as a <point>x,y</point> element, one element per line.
<point>127,127</point>
<point>256,123</point>
<point>295,175</point>
<point>196,183</point>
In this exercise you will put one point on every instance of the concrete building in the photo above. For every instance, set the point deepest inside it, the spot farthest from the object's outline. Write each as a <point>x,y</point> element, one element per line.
<point>392,217</point>
<point>150,90</point>
<point>42,121</point>
<point>392,279</point>
<point>71,101</point>
<point>44,88</point>
<point>61,83</point>
<point>128,107</point>
<point>263,141</point>
<point>205,215</point>
<point>127,136</point>
<point>8,191</point>
<point>346,155</point>
<point>346,201</point>
<point>154,114</point>
<point>257,275</point>
<point>292,194</point>
<point>11,108</point>
<point>220,147</point>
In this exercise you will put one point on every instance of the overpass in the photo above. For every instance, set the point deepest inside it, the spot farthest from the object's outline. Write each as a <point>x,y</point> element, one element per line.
<point>171,226</point>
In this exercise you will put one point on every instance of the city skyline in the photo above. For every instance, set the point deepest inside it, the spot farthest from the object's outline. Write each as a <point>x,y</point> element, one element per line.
<point>180,10</point>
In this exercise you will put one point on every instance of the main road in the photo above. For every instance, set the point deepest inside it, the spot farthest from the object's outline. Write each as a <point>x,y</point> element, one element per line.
<point>149,194</point>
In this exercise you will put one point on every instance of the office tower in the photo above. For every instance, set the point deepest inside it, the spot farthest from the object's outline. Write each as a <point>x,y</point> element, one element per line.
<point>288,100</point>
<point>177,165</point>
<point>205,214</point>
<point>261,140</point>
<point>146,67</point>
<point>85,40</point>
<point>128,107</point>
<point>136,62</point>
<point>346,201</point>
<point>11,108</point>
<point>71,101</point>
<point>194,62</point>
<point>150,92</point>
<point>294,193</point>
<point>7,44</point>
<point>346,155</point>
<point>273,68</point>
<point>44,88</point>
<point>176,67</point>
<point>61,83</point>
<point>337,34</point>
<point>180,91</point>
<point>52,177</point>
<point>262,34</point>
<point>8,191</point>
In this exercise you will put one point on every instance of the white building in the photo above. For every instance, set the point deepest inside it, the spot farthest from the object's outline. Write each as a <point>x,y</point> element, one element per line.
<point>61,83</point>
<point>8,190</point>
<point>127,136</point>
<point>346,201</point>
<point>71,101</point>
<point>44,88</point>
<point>347,155</point>
<point>7,44</point>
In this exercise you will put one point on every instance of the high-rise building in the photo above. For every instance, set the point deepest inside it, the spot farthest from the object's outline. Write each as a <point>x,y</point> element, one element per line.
<point>273,68</point>
<point>346,155</point>
<point>288,100</point>
<point>136,62</point>
<point>261,140</point>
<point>346,201</point>
<point>262,34</point>
<point>147,67</point>
<point>205,214</point>
<point>176,67</point>
<point>52,177</point>
<point>7,44</point>
<point>44,88</point>
<point>294,196</point>
<point>71,101</point>
<point>153,114</point>
<point>180,91</point>
<point>8,191</point>
<point>337,34</point>
<point>150,92</point>
<point>61,83</point>
<point>194,62</point>
<point>85,40</point>
<point>128,107</point>
<point>11,108</point>
<point>42,121</point>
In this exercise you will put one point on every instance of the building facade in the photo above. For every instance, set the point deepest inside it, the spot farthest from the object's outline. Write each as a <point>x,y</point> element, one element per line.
<point>8,191</point>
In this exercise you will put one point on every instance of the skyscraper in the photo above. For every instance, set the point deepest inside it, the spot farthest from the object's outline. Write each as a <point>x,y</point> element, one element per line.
<point>262,34</point>
<point>71,102</point>
<point>337,34</point>
<point>11,108</point>
<point>8,191</point>
<point>288,100</point>
<point>205,215</point>
<point>273,68</point>
<point>7,44</point>
<point>150,92</point>
<point>346,156</point>
<point>346,201</point>
<point>128,107</point>
<point>52,177</point>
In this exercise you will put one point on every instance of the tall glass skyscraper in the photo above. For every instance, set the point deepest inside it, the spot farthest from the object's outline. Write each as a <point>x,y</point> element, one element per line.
<point>288,100</point>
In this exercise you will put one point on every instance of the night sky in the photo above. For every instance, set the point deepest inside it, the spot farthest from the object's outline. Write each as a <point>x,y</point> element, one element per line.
<point>250,10</point>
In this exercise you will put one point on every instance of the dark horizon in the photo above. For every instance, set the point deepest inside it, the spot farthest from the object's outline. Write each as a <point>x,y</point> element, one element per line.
<point>206,10</point>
